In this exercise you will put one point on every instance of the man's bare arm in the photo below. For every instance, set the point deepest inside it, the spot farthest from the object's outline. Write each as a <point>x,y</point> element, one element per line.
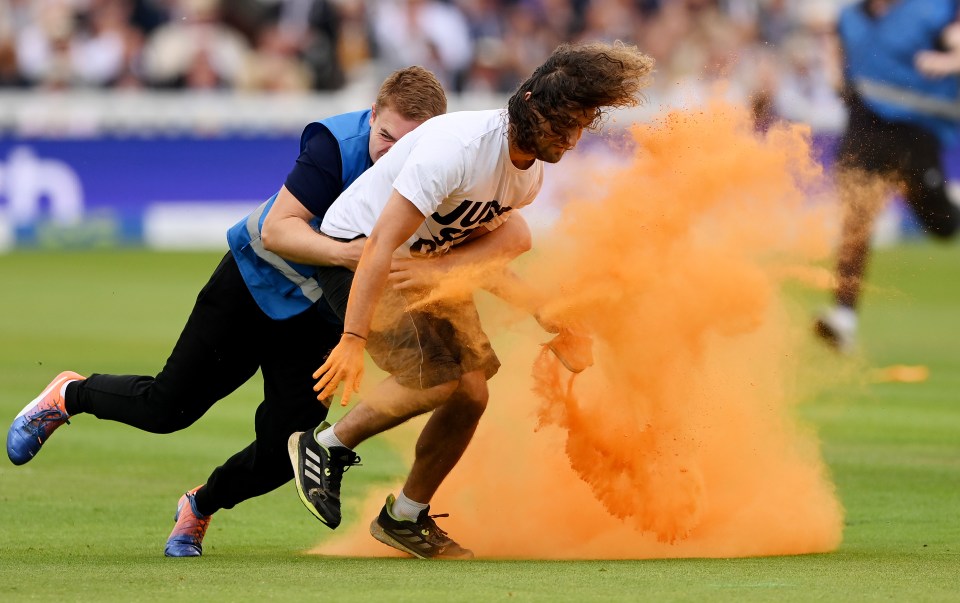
<point>488,248</point>
<point>938,64</point>
<point>493,250</point>
<point>287,233</point>
<point>504,243</point>
<point>397,223</point>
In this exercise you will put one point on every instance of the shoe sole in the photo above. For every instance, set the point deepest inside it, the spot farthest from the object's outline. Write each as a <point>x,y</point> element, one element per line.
<point>293,450</point>
<point>380,534</point>
<point>186,556</point>
<point>55,384</point>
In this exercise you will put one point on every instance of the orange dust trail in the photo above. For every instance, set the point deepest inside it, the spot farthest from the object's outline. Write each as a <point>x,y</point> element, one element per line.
<point>681,440</point>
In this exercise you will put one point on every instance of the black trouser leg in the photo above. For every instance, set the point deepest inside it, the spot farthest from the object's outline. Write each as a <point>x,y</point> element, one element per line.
<point>877,152</point>
<point>926,186</point>
<point>226,339</point>
<point>210,360</point>
<point>292,350</point>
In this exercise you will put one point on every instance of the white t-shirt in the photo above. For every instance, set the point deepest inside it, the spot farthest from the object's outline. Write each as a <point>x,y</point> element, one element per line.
<point>455,169</point>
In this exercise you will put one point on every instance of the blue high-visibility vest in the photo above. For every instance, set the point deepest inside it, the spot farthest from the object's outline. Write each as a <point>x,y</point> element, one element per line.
<point>879,63</point>
<point>280,287</point>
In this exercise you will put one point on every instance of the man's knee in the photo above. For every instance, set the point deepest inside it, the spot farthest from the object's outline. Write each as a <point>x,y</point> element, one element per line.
<point>171,421</point>
<point>471,395</point>
<point>433,397</point>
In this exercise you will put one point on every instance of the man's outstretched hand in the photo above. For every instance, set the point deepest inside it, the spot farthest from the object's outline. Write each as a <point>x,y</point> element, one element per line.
<point>574,349</point>
<point>344,364</point>
<point>572,344</point>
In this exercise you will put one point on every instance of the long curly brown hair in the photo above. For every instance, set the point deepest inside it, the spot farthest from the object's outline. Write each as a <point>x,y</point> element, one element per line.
<point>577,79</point>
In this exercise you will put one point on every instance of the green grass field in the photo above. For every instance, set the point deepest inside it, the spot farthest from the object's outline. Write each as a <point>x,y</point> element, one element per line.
<point>87,520</point>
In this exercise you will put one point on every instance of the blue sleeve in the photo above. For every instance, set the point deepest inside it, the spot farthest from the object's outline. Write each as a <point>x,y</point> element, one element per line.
<point>317,178</point>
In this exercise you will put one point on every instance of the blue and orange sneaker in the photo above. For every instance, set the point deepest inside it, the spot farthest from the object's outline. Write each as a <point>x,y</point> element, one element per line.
<point>186,539</point>
<point>33,426</point>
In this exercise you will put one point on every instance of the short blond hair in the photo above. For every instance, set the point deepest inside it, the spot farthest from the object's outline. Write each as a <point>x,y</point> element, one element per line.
<point>414,92</point>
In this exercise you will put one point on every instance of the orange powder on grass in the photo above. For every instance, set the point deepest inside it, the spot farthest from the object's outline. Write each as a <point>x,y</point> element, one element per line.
<point>681,441</point>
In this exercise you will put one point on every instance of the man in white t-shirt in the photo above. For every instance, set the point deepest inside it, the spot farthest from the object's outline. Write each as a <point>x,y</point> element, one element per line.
<point>457,172</point>
<point>456,178</point>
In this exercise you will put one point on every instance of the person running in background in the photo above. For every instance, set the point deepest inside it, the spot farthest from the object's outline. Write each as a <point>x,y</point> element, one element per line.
<point>901,60</point>
<point>260,309</point>
<point>457,179</point>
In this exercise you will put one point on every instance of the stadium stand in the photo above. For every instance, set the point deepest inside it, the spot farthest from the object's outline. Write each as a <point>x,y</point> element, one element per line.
<point>95,71</point>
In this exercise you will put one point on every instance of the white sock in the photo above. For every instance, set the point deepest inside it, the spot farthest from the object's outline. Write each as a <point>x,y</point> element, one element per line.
<point>406,509</point>
<point>327,438</point>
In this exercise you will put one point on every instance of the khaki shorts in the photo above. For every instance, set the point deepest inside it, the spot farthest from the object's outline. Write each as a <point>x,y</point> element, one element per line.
<point>421,348</point>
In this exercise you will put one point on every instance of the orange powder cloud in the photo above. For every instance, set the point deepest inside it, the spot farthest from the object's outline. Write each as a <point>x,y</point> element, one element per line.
<point>682,440</point>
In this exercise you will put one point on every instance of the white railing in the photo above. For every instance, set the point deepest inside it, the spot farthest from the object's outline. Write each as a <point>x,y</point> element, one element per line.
<point>84,113</point>
<point>78,113</point>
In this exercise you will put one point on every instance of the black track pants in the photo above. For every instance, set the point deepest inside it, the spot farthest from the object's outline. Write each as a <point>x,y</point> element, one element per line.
<point>226,339</point>
<point>912,155</point>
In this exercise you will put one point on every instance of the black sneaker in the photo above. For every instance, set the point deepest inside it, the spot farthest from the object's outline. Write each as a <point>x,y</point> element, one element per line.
<point>837,327</point>
<point>318,472</point>
<point>422,538</point>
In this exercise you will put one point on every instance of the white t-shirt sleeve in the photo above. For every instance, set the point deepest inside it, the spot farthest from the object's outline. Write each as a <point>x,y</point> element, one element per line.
<point>432,172</point>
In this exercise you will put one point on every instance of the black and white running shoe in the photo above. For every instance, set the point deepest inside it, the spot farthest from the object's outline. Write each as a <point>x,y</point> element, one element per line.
<point>422,538</point>
<point>837,327</point>
<point>318,472</point>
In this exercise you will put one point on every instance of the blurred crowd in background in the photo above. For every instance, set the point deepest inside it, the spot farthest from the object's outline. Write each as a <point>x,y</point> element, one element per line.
<point>775,52</point>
